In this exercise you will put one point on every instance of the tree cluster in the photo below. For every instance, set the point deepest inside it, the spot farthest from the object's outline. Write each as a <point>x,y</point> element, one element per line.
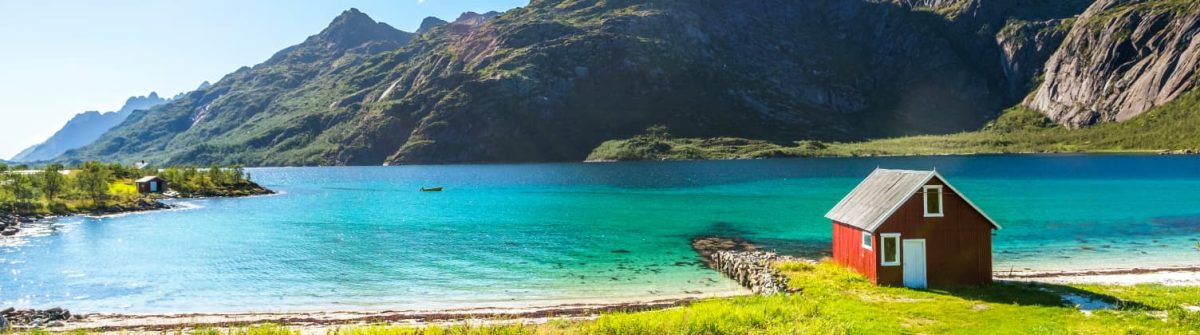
<point>59,189</point>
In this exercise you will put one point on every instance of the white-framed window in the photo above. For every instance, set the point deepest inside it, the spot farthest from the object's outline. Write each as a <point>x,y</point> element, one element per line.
<point>933,201</point>
<point>866,240</point>
<point>889,249</point>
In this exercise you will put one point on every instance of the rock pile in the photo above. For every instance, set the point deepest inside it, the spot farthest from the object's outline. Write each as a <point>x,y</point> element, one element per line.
<point>1180,152</point>
<point>740,260</point>
<point>708,246</point>
<point>752,269</point>
<point>53,317</point>
<point>140,206</point>
<point>10,224</point>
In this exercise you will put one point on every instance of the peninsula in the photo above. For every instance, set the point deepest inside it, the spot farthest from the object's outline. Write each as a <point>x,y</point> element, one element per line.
<point>94,188</point>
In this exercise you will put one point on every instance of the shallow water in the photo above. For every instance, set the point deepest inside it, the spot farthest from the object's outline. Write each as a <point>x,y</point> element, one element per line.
<point>499,235</point>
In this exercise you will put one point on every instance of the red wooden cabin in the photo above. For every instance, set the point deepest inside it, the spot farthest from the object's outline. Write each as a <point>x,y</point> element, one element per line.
<point>912,228</point>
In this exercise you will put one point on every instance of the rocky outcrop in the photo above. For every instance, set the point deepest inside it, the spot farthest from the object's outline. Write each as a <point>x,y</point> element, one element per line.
<point>1120,59</point>
<point>754,270</point>
<point>429,23</point>
<point>355,30</point>
<point>707,247</point>
<point>1024,48</point>
<point>474,19</point>
<point>10,224</point>
<point>33,318</point>
<point>141,205</point>
<point>740,260</point>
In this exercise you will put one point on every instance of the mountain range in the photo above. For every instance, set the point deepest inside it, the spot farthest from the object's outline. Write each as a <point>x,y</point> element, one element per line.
<point>552,80</point>
<point>85,128</point>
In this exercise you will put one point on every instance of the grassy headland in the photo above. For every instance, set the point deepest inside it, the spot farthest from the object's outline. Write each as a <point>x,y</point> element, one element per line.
<point>833,300</point>
<point>1171,127</point>
<point>97,188</point>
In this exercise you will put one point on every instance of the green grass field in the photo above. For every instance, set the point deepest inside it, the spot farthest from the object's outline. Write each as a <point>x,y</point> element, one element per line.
<point>1171,127</point>
<point>833,300</point>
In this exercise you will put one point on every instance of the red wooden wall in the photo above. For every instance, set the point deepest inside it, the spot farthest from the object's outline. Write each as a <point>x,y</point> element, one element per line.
<point>958,246</point>
<point>848,250</point>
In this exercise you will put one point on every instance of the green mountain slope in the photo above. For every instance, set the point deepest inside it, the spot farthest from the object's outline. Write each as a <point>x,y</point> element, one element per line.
<point>267,114</point>
<point>554,80</point>
<point>550,81</point>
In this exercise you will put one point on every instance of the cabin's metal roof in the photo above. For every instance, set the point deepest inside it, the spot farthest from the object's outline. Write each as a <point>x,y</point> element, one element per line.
<point>881,194</point>
<point>147,179</point>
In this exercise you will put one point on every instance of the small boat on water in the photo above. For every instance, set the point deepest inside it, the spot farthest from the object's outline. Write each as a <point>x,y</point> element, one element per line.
<point>431,189</point>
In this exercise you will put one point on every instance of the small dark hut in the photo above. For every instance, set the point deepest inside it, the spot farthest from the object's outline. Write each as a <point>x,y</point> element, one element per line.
<point>151,184</point>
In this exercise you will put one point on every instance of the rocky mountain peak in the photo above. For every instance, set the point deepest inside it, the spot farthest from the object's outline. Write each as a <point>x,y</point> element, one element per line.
<point>354,28</point>
<point>475,19</point>
<point>430,23</point>
<point>141,102</point>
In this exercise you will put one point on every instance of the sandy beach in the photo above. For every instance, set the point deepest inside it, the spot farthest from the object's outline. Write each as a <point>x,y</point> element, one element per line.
<point>1173,276</point>
<point>319,322</point>
<point>322,322</point>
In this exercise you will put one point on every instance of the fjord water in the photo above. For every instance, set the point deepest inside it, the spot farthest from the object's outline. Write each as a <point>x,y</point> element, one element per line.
<point>365,238</point>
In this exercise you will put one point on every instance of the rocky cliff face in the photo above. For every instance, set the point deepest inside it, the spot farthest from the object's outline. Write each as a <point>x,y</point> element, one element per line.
<point>1018,34</point>
<point>1120,59</point>
<point>1024,48</point>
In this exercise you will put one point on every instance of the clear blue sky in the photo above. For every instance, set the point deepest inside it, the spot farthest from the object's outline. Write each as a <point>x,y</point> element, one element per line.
<point>59,58</point>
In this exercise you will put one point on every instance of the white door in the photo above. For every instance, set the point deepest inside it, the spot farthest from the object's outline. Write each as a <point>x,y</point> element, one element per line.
<point>914,264</point>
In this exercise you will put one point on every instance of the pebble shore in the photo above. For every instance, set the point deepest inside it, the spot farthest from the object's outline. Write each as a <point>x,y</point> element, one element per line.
<point>25,318</point>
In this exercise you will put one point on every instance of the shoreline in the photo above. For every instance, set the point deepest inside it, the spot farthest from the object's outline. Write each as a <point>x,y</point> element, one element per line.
<point>1170,276</point>
<point>320,321</point>
<point>583,310</point>
<point>11,223</point>
<point>941,154</point>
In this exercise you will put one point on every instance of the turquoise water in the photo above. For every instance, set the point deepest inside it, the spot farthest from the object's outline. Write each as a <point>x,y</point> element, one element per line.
<point>364,238</point>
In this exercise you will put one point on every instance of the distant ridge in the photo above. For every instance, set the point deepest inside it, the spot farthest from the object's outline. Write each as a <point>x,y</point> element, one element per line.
<point>85,128</point>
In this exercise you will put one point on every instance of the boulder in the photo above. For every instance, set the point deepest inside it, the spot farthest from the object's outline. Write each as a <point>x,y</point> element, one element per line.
<point>35,318</point>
